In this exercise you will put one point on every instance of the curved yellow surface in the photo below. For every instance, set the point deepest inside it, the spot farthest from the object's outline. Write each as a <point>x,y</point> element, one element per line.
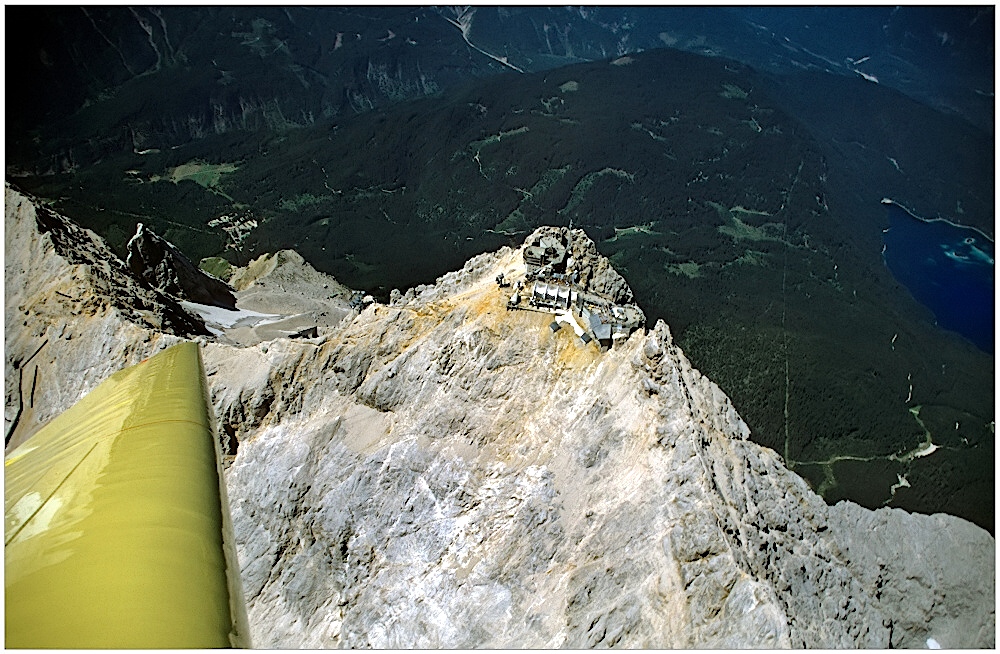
<point>116,526</point>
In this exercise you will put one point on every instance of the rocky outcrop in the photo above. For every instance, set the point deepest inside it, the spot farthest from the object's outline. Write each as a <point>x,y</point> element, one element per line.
<point>597,273</point>
<point>161,265</point>
<point>901,561</point>
<point>286,277</point>
<point>445,472</point>
<point>571,251</point>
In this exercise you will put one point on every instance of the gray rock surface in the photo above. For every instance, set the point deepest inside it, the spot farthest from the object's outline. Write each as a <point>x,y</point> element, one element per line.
<point>596,273</point>
<point>474,480</point>
<point>161,265</point>
<point>599,275</point>
<point>927,595</point>
<point>443,472</point>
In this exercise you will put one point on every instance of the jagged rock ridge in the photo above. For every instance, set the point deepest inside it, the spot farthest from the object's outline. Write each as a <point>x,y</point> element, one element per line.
<point>446,472</point>
<point>162,266</point>
<point>474,481</point>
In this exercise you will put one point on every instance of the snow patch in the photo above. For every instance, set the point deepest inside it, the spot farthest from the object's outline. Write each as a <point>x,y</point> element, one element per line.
<point>870,78</point>
<point>225,319</point>
<point>567,318</point>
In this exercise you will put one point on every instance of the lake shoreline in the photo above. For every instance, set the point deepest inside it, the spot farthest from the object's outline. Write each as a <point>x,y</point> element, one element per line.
<point>938,219</point>
<point>946,267</point>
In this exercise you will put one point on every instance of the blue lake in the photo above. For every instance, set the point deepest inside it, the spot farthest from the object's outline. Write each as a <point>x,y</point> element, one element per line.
<point>947,268</point>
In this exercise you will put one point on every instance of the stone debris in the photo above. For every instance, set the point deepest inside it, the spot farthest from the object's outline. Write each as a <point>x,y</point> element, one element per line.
<point>299,301</point>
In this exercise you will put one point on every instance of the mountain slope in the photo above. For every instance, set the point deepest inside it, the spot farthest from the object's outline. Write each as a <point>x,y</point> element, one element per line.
<point>91,71</point>
<point>443,471</point>
<point>745,214</point>
<point>473,480</point>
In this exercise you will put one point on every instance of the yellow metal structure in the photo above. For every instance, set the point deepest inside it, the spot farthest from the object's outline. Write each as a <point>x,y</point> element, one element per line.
<point>116,526</point>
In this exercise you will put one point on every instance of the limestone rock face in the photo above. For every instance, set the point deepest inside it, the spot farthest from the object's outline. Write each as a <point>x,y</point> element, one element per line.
<point>445,472</point>
<point>926,594</point>
<point>287,281</point>
<point>299,299</point>
<point>161,265</point>
<point>599,275</point>
<point>595,271</point>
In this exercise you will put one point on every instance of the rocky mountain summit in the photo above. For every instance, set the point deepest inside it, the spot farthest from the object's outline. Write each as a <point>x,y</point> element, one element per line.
<point>451,471</point>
